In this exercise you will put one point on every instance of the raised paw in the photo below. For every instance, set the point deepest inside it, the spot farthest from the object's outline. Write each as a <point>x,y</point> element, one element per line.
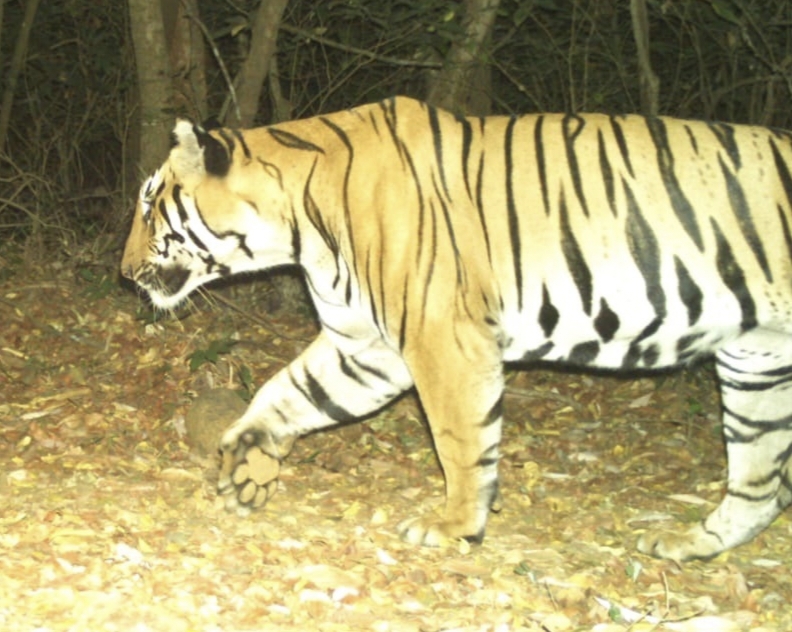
<point>248,475</point>
<point>439,533</point>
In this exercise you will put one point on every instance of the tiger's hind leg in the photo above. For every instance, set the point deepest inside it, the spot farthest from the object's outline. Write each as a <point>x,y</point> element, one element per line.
<point>458,374</point>
<point>755,374</point>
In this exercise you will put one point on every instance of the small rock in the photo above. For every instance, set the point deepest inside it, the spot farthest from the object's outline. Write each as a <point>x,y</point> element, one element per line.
<point>208,417</point>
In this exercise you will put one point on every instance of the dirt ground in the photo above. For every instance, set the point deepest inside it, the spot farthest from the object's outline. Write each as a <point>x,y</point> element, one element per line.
<point>110,519</point>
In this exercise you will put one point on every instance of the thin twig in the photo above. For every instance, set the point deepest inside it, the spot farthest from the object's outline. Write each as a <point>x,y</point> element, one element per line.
<point>395,61</point>
<point>226,75</point>
<point>536,394</point>
<point>256,319</point>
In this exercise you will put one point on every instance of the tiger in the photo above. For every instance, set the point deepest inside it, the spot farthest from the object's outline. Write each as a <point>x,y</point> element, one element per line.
<point>437,247</point>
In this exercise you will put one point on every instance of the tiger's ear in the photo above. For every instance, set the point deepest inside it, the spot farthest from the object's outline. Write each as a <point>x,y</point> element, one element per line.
<point>195,152</point>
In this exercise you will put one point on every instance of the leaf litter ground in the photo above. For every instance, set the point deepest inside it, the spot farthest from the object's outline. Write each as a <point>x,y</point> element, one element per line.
<point>110,518</point>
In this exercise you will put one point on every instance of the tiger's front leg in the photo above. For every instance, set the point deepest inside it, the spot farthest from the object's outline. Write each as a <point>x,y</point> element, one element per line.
<point>323,387</point>
<point>458,374</point>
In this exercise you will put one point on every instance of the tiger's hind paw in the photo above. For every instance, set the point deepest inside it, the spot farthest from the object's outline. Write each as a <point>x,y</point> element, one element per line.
<point>438,533</point>
<point>693,544</point>
<point>248,475</point>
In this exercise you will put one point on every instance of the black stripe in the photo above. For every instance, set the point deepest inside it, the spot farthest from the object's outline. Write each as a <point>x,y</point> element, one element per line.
<point>337,332</point>
<point>242,143</point>
<point>347,370</point>
<point>437,141</point>
<point>782,370</point>
<point>488,457</point>
<point>634,353</point>
<point>217,158</point>
<point>511,208</point>
<point>538,353</point>
<point>571,132</point>
<point>342,136</point>
<point>480,206</point>
<point>756,385</point>
<point>373,370</point>
<point>272,170</point>
<point>314,215</point>
<point>370,291</point>
<point>383,304</point>
<point>645,250</point>
<point>389,115</point>
<point>176,194</point>
<point>467,139</point>
<point>540,162</point>
<point>372,119</point>
<point>548,314</point>
<point>607,173</point>
<point>783,172</point>
<point>240,237</point>
<point>296,239</point>
<point>576,264</point>
<point>490,492</point>
<point>785,230</point>
<point>763,425</point>
<point>403,321</point>
<point>689,292</point>
<point>692,138</point>
<point>725,135</point>
<point>607,322</point>
<point>287,139</point>
<point>665,161</point>
<point>584,352</point>
<point>172,235</point>
<point>734,278</point>
<point>229,141</point>
<point>451,237</point>
<point>621,143</point>
<point>684,346</point>
<point>650,355</point>
<point>320,399</point>
<point>196,240</point>
<point>754,498</point>
<point>431,248</point>
<point>495,414</point>
<point>741,211</point>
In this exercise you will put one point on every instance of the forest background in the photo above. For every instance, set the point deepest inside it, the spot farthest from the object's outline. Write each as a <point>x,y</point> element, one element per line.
<point>91,89</point>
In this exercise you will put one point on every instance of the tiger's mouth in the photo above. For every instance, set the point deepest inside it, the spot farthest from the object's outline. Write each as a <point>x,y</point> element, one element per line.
<point>165,286</point>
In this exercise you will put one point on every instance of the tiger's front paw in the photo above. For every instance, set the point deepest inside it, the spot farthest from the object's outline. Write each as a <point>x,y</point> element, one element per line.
<point>248,475</point>
<point>428,532</point>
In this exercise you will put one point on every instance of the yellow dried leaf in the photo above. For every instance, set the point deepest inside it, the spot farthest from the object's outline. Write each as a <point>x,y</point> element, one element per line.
<point>352,511</point>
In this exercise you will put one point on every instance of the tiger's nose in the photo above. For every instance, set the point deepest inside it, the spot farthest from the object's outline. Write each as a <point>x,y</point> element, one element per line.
<point>126,271</point>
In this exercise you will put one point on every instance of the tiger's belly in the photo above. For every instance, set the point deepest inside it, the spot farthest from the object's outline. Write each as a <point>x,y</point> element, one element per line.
<point>655,346</point>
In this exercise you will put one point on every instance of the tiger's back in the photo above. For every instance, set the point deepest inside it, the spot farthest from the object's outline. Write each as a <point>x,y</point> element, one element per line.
<point>679,244</point>
<point>436,247</point>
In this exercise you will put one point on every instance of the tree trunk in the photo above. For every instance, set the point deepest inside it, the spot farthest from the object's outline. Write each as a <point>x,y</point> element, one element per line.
<point>154,82</point>
<point>461,86</point>
<point>187,58</point>
<point>17,61</point>
<point>264,33</point>
<point>2,6</point>
<point>650,84</point>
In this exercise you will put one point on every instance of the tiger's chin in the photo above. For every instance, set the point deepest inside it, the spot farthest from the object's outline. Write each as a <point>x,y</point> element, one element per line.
<point>163,301</point>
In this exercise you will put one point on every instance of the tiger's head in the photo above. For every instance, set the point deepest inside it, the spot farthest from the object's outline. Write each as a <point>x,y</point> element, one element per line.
<point>211,210</point>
